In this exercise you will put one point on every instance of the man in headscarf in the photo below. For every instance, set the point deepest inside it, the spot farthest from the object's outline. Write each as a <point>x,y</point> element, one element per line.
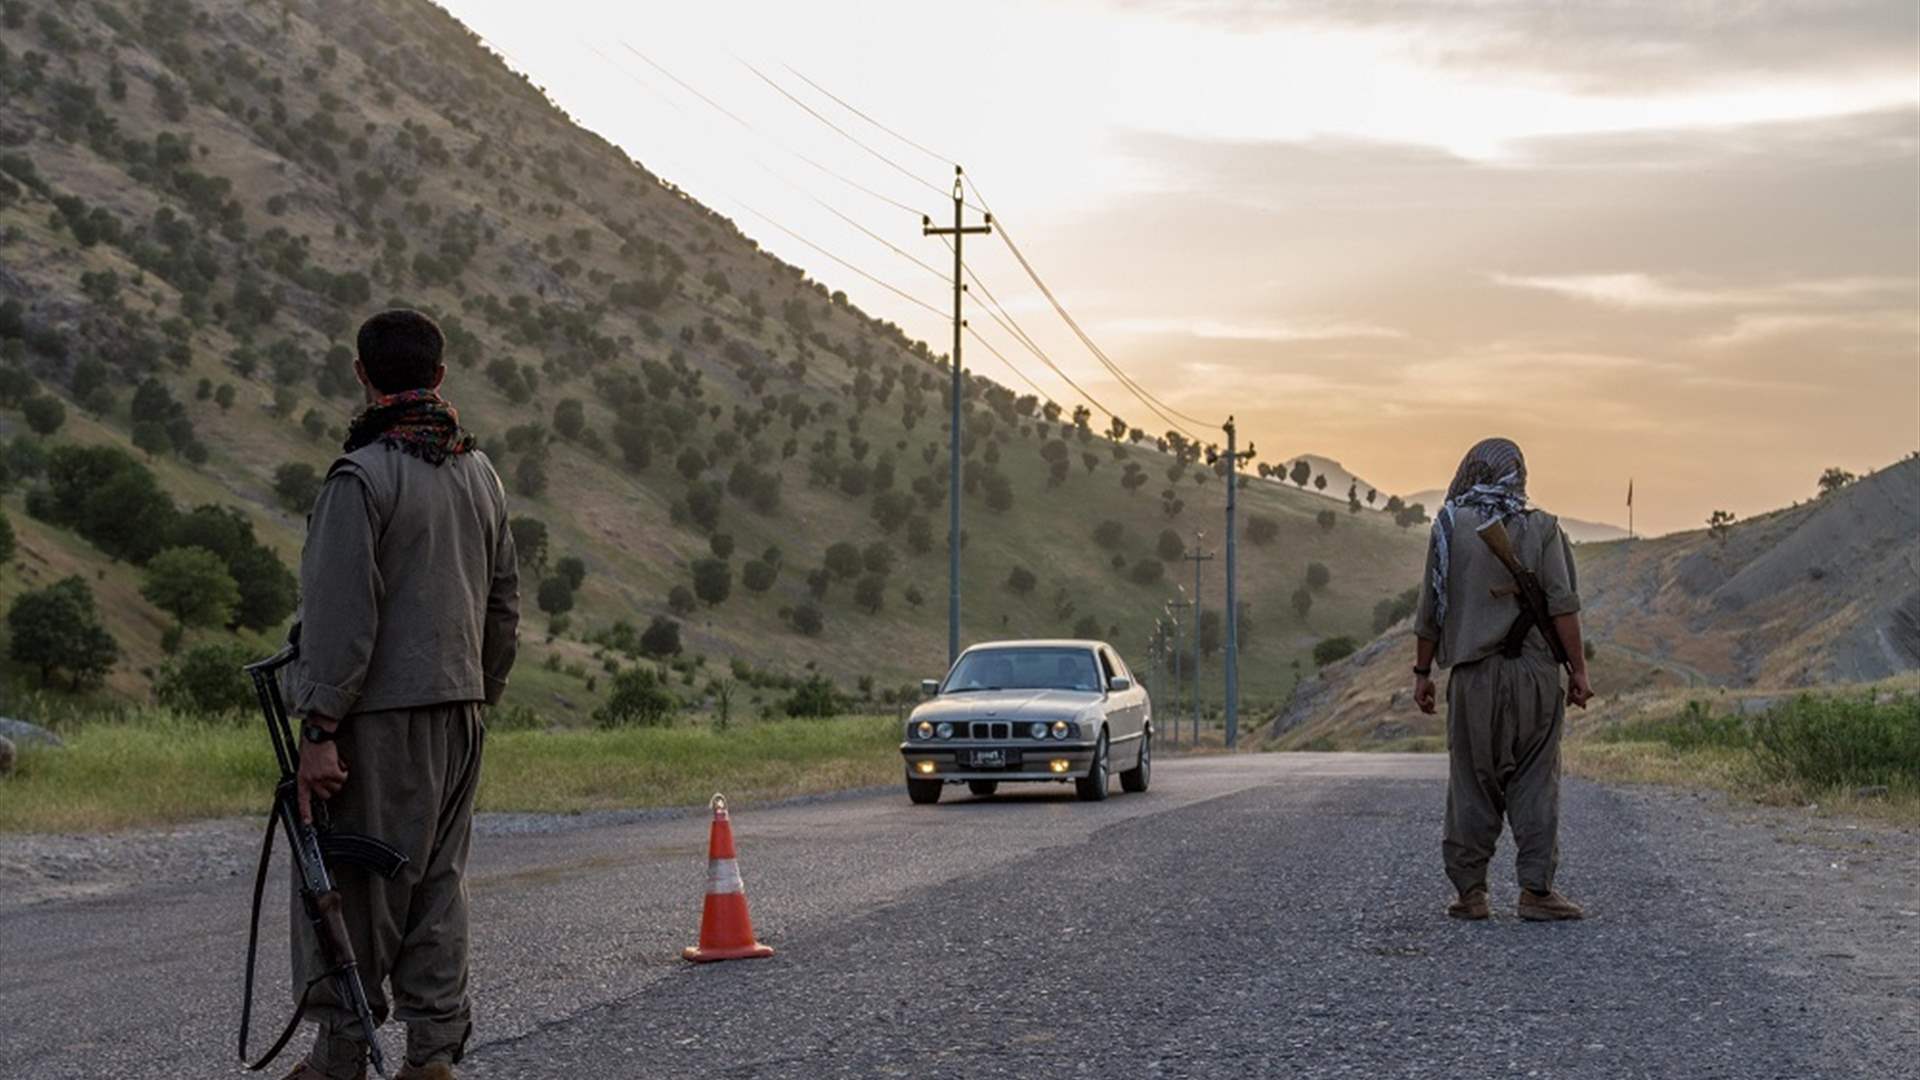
<point>409,613</point>
<point>1505,705</point>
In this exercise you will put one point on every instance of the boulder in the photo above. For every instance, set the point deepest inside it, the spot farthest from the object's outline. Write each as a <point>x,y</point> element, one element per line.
<point>23,734</point>
<point>6,757</point>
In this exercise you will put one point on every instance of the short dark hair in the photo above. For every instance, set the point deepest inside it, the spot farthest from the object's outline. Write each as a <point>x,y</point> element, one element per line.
<point>400,350</point>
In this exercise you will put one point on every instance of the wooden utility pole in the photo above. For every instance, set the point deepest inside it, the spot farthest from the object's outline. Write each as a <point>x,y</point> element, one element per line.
<point>1233,595</point>
<point>959,232</point>
<point>1197,557</point>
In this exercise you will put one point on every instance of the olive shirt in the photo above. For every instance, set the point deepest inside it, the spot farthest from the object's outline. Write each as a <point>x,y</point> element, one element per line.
<point>1477,620</point>
<point>409,585</point>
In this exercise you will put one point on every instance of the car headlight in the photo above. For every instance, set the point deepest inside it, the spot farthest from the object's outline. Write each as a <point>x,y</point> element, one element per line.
<point>1061,729</point>
<point>945,730</point>
<point>923,729</point>
<point>1038,730</point>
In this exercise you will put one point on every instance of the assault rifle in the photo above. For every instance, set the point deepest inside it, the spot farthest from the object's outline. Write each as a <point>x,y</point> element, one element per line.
<point>314,847</point>
<point>1532,596</point>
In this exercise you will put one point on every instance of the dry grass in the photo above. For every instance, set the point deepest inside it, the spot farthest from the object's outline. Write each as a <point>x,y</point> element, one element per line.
<point>163,769</point>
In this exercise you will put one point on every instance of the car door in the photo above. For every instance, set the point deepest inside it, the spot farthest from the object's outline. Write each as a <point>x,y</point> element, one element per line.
<point>1124,713</point>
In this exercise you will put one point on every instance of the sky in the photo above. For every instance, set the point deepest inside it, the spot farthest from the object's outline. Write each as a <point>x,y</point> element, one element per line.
<point>1668,241</point>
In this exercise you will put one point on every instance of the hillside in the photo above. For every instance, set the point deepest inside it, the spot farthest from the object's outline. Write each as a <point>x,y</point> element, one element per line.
<point>198,201</point>
<point>1824,592</point>
<point>1580,532</point>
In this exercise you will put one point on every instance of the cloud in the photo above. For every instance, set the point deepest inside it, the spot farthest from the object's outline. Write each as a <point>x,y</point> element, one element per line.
<point>1646,291</point>
<point>1752,329</point>
<point>1216,330</point>
<point>1606,46</point>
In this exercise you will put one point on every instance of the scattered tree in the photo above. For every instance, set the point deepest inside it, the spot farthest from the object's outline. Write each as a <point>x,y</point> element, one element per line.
<point>193,585</point>
<point>58,628</point>
<point>712,580</point>
<point>1262,530</point>
<point>661,638</point>
<point>296,485</point>
<point>1327,650</point>
<point>1021,580</point>
<point>1170,548</point>
<point>640,698</point>
<point>1834,479</point>
<point>1318,575</point>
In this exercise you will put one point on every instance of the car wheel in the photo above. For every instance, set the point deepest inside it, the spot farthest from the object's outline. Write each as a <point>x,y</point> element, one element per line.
<point>923,792</point>
<point>983,788</point>
<point>1093,786</point>
<point>1136,779</point>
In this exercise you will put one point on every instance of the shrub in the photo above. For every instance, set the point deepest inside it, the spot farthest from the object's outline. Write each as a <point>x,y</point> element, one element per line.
<point>871,593</point>
<point>1393,609</point>
<point>1844,740</point>
<point>574,569</point>
<point>1109,534</point>
<point>1021,580</point>
<point>1170,548</point>
<point>296,485</point>
<point>712,580</point>
<point>1147,571</point>
<point>555,596</point>
<point>1326,519</point>
<point>1318,576</point>
<point>680,600</point>
<point>640,698</point>
<point>1327,650</point>
<point>530,542</point>
<point>207,679</point>
<point>759,575</point>
<point>844,560</point>
<point>661,638</point>
<point>44,413</point>
<point>816,697</point>
<point>878,558</point>
<point>808,620</point>
<point>1262,530</point>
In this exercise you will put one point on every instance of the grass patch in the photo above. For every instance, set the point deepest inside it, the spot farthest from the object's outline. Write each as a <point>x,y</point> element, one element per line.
<point>1858,753</point>
<point>161,768</point>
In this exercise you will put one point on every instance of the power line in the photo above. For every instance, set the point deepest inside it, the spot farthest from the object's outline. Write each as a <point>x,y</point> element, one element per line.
<point>736,118</point>
<point>1021,336</point>
<point>843,103</point>
<point>850,136</point>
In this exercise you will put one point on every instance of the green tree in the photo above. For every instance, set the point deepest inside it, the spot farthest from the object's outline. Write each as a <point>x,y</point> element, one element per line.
<point>1834,479</point>
<point>758,575</point>
<point>817,697</point>
<point>193,585</point>
<point>680,600</point>
<point>555,596</point>
<point>1147,571</point>
<point>1021,580</point>
<point>1326,519</point>
<point>1318,576</point>
<point>296,484</point>
<point>871,593</point>
<point>1109,534</point>
<point>44,414</point>
<point>712,580</point>
<point>1302,472</point>
<point>661,638</point>
<point>807,619</point>
<point>207,679</point>
<point>1170,548</point>
<point>574,569</point>
<point>1262,530</point>
<point>569,418</point>
<point>844,561</point>
<point>1302,602</point>
<point>58,628</point>
<point>640,698</point>
<point>530,543</point>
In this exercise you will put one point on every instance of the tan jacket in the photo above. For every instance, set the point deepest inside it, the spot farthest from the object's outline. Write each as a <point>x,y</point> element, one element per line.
<point>409,586</point>
<point>1477,620</point>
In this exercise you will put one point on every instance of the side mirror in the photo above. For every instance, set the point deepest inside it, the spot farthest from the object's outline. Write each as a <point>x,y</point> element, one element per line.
<point>929,687</point>
<point>1119,683</point>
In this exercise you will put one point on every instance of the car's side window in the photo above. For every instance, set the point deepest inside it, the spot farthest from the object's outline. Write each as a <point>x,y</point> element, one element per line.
<point>1106,665</point>
<point>1118,666</point>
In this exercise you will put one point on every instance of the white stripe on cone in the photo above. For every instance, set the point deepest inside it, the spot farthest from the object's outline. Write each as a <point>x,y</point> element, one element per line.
<point>723,876</point>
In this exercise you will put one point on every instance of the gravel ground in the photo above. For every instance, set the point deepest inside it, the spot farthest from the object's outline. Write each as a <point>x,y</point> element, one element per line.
<point>1254,915</point>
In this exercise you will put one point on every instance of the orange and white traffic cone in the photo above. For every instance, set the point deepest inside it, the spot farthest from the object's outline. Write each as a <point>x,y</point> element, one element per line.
<point>726,931</point>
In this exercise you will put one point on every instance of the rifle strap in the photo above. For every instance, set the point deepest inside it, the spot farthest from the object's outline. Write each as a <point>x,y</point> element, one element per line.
<point>1516,641</point>
<point>253,948</point>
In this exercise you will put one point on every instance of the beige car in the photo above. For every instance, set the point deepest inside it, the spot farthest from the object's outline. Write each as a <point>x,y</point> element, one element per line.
<point>1031,711</point>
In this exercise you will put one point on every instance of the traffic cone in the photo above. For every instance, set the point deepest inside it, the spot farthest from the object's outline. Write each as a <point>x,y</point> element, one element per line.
<point>726,931</point>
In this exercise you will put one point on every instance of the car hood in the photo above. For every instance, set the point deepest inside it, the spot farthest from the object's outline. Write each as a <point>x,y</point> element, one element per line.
<point>1007,705</point>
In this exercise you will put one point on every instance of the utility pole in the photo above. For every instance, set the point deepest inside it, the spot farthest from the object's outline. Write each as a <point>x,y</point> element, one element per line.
<point>959,232</point>
<point>1234,454</point>
<point>1171,642</point>
<point>1197,557</point>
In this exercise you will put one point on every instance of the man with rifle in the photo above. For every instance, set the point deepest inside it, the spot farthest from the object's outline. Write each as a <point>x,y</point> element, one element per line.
<point>1500,608</point>
<point>409,616</point>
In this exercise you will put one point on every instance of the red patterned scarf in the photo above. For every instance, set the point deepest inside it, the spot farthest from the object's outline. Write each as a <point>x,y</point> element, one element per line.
<point>417,422</point>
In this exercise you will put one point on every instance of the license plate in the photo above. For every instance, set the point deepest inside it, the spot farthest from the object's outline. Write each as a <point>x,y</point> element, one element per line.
<point>990,759</point>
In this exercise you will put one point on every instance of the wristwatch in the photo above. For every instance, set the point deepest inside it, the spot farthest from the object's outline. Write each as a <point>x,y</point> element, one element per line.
<point>314,733</point>
<point>1423,672</point>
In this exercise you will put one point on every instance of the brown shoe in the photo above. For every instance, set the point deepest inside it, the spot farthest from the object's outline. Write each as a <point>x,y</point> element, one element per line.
<point>1551,907</point>
<point>439,1070</point>
<point>1471,904</point>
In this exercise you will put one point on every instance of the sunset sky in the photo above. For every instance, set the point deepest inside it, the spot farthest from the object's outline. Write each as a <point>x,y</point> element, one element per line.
<point>1670,240</point>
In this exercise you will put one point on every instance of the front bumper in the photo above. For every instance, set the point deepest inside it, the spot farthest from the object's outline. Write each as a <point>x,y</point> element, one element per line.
<point>1032,760</point>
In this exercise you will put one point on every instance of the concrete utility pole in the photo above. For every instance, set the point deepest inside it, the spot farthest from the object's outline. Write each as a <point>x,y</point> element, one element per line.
<point>959,232</point>
<point>1233,583</point>
<point>1170,640</point>
<point>1197,557</point>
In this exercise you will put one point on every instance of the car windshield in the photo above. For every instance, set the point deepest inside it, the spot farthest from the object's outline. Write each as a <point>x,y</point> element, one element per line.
<point>1024,669</point>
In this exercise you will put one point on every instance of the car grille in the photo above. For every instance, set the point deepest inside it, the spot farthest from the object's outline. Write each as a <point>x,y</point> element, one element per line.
<point>983,729</point>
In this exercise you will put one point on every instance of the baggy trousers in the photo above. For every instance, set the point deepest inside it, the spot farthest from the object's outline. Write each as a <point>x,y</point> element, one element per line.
<point>411,776</point>
<point>1504,719</point>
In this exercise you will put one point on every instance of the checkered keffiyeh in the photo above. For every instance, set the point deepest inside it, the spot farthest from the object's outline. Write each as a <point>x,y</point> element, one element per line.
<point>1492,479</point>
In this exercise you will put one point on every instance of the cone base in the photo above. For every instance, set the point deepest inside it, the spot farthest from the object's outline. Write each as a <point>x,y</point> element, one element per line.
<point>736,952</point>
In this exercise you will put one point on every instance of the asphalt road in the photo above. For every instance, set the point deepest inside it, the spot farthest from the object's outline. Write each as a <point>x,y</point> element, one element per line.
<point>1251,916</point>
